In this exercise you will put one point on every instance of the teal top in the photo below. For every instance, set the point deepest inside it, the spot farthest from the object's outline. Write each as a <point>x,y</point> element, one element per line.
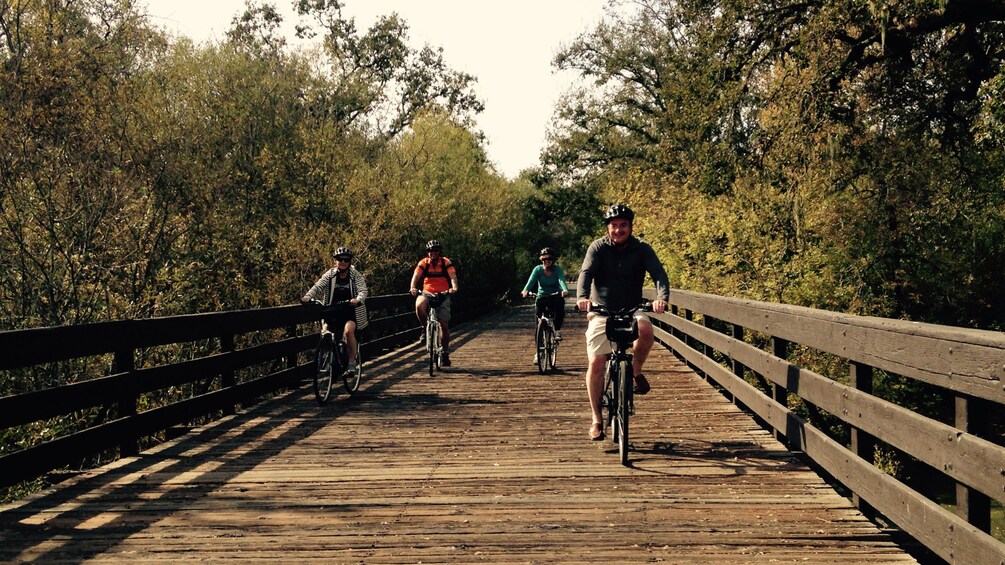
<point>546,284</point>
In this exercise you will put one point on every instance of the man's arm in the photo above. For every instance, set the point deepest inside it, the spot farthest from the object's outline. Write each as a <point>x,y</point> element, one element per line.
<point>659,275</point>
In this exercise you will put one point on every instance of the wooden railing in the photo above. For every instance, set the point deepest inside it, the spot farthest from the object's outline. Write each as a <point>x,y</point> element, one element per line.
<point>242,356</point>
<point>714,335</point>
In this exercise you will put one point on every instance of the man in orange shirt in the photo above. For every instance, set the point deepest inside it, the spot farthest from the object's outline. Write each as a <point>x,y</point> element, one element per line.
<point>437,274</point>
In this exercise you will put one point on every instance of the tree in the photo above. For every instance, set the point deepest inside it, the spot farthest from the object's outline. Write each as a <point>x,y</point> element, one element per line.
<point>853,144</point>
<point>378,73</point>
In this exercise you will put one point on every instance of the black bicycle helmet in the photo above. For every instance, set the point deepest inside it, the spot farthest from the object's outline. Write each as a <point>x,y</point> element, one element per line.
<point>343,252</point>
<point>618,211</point>
<point>547,251</point>
<point>434,245</point>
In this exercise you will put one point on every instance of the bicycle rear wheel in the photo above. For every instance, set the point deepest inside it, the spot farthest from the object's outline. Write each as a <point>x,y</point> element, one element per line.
<point>324,358</point>
<point>351,378</point>
<point>541,342</point>
<point>624,407</point>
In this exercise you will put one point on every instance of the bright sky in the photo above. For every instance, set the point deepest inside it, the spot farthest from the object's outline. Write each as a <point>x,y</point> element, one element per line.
<point>507,45</point>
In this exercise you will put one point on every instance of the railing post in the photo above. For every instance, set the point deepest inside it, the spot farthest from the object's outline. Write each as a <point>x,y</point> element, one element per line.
<point>227,379</point>
<point>780,394</point>
<point>738,369</point>
<point>291,358</point>
<point>689,341</point>
<point>862,443</point>
<point>973,416</point>
<point>125,362</point>
<point>674,311</point>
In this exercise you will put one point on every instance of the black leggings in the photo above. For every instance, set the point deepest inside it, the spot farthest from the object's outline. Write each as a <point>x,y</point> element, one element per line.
<point>556,304</point>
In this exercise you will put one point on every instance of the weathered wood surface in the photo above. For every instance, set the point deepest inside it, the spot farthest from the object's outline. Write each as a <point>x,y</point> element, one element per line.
<point>488,462</point>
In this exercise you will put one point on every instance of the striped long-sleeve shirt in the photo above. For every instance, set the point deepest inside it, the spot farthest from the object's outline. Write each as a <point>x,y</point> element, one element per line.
<point>324,291</point>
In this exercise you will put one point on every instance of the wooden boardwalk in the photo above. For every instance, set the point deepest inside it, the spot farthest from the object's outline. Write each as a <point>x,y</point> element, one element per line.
<point>489,462</point>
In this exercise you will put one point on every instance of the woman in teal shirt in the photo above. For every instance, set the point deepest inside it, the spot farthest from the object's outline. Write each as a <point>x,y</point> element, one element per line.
<point>549,280</point>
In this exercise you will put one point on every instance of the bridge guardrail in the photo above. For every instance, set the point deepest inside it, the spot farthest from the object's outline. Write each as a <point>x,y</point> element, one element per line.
<point>967,364</point>
<point>117,370</point>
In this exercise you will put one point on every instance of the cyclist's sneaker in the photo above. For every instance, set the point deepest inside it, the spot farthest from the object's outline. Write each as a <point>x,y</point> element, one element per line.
<point>641,384</point>
<point>558,335</point>
<point>535,359</point>
<point>351,368</point>
<point>422,338</point>
<point>444,359</point>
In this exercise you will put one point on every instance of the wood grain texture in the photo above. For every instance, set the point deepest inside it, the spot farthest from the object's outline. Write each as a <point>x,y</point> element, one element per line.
<point>486,462</point>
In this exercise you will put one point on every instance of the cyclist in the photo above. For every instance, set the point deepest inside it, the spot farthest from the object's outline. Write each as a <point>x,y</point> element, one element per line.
<point>548,278</point>
<point>340,283</point>
<point>436,273</point>
<point>612,275</point>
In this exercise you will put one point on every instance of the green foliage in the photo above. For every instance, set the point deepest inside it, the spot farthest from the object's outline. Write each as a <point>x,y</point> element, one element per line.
<point>847,156</point>
<point>143,176</point>
<point>151,178</point>
<point>843,156</point>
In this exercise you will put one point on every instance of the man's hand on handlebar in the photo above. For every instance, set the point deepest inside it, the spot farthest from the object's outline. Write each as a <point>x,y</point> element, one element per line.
<point>583,304</point>
<point>659,306</point>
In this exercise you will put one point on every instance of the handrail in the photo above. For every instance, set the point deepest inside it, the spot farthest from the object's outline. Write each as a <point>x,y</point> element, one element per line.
<point>268,346</point>
<point>968,364</point>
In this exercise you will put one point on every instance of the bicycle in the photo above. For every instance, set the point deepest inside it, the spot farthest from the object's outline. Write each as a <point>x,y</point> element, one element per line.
<point>619,379</point>
<point>545,339</point>
<point>332,356</point>
<point>434,345</point>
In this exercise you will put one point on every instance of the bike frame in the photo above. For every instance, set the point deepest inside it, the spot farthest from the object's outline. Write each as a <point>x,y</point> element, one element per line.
<point>547,352</point>
<point>622,330</point>
<point>332,356</point>
<point>434,345</point>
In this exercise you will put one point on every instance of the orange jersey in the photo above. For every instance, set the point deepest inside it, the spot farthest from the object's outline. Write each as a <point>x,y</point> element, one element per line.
<point>435,278</point>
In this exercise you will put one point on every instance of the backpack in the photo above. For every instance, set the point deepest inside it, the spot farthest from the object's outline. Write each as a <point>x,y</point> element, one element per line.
<point>447,263</point>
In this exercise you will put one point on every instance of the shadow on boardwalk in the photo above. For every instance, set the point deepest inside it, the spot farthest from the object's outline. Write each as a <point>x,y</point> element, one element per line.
<point>485,462</point>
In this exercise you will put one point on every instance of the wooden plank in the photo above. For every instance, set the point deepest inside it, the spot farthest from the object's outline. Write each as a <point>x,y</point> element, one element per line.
<point>959,359</point>
<point>35,346</point>
<point>70,449</point>
<point>946,534</point>
<point>47,403</point>
<point>487,461</point>
<point>962,456</point>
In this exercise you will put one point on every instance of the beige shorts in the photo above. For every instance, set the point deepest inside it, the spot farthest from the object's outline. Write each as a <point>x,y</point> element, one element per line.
<point>597,343</point>
<point>443,310</point>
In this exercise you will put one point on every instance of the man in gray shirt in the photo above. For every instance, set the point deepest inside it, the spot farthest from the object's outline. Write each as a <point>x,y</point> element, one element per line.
<point>612,275</point>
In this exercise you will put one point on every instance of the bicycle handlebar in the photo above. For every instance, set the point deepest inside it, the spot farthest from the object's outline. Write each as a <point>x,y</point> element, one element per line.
<point>624,312</point>
<point>549,295</point>
<point>329,308</point>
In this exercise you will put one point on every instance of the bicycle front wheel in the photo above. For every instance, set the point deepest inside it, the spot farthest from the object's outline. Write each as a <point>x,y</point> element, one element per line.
<point>324,358</point>
<point>542,346</point>
<point>624,407</point>
<point>609,401</point>
<point>552,348</point>
<point>433,345</point>
<point>351,378</point>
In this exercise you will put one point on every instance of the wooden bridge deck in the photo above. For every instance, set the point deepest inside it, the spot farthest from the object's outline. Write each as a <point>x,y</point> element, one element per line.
<point>489,462</point>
